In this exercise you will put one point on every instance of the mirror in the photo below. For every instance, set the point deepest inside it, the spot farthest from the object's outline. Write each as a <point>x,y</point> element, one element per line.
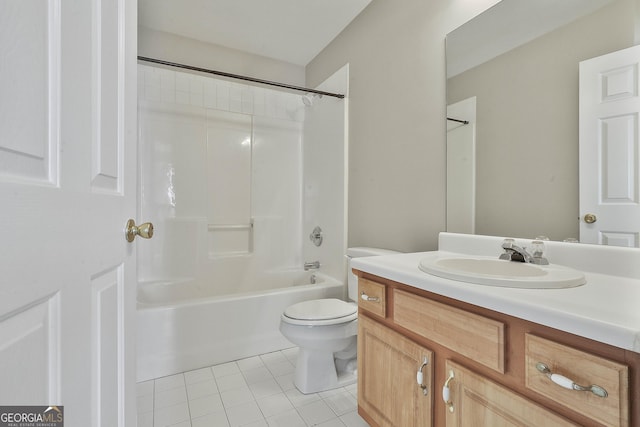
<point>512,74</point>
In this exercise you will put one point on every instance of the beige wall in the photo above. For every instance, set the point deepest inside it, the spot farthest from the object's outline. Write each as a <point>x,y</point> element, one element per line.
<point>527,125</point>
<point>173,48</point>
<point>395,52</point>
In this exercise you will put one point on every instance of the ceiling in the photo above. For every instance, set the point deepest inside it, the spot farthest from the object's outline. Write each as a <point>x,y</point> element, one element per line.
<point>507,25</point>
<point>294,31</point>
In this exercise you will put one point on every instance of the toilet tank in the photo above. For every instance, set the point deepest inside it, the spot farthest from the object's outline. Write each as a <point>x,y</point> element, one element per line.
<point>358,253</point>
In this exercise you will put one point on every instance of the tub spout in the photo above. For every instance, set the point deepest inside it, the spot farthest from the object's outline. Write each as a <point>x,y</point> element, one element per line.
<point>315,265</point>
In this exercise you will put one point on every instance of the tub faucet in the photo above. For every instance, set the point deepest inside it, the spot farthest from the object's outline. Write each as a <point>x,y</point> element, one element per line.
<point>513,252</point>
<point>315,265</point>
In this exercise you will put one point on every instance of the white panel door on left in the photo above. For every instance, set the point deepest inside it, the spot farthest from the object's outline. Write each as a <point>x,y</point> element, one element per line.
<point>29,84</point>
<point>68,186</point>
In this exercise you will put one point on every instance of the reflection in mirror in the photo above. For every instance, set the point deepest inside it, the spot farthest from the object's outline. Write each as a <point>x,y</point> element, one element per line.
<point>518,62</point>
<point>461,154</point>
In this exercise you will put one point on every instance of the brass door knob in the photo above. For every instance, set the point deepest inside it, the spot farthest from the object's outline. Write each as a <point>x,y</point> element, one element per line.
<point>143,230</point>
<point>590,218</point>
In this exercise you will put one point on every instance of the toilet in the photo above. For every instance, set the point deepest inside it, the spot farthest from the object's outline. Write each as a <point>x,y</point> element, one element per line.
<point>325,331</point>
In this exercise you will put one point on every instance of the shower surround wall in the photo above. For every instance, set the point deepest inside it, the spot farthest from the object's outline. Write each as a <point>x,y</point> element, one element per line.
<point>325,163</point>
<point>234,178</point>
<point>222,180</point>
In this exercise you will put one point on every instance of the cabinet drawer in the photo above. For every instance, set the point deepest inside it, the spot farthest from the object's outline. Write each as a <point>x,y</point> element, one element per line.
<point>476,337</point>
<point>580,368</point>
<point>372,297</point>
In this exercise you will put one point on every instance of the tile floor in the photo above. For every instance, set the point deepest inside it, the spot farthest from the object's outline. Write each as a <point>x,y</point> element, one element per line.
<point>253,392</point>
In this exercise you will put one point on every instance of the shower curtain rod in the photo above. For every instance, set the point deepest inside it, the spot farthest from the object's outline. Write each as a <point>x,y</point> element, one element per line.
<point>239,77</point>
<point>464,122</point>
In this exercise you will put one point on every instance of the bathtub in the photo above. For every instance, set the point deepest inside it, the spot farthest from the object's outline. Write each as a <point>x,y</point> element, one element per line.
<point>183,326</point>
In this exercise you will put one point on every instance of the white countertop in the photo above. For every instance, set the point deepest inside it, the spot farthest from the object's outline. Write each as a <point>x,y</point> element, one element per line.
<point>605,309</point>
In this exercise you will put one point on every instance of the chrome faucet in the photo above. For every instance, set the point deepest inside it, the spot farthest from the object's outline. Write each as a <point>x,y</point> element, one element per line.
<point>315,265</point>
<point>513,252</point>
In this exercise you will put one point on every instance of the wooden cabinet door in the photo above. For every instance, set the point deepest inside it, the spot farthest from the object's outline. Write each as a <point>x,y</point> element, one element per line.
<point>388,364</point>
<point>476,401</point>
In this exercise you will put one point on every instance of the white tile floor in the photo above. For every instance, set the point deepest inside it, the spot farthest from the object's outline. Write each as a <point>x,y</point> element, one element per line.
<point>253,392</point>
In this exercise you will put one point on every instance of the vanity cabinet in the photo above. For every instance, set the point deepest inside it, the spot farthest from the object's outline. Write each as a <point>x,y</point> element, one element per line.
<point>480,367</point>
<point>387,377</point>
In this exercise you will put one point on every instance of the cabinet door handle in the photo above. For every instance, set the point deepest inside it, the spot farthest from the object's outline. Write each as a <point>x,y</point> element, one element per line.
<point>446,391</point>
<point>420,376</point>
<point>366,297</point>
<point>567,383</point>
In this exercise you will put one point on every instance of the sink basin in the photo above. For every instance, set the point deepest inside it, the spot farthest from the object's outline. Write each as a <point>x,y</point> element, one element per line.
<point>496,272</point>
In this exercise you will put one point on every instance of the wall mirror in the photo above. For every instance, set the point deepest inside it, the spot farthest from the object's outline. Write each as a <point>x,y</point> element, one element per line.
<point>512,92</point>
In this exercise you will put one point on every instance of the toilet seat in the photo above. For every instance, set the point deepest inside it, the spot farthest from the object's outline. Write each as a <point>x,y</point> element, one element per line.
<point>320,312</point>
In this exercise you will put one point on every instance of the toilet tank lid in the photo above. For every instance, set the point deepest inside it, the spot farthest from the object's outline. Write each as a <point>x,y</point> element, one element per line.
<point>362,251</point>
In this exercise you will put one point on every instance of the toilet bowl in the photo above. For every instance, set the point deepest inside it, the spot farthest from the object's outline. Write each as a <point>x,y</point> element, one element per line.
<point>325,331</point>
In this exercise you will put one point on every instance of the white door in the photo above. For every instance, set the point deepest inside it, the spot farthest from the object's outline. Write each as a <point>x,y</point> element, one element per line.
<point>67,187</point>
<point>609,162</point>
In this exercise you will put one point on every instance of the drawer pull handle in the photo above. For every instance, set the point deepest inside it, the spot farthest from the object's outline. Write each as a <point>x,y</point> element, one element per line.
<point>420,376</point>
<point>446,392</point>
<point>567,383</point>
<point>366,297</point>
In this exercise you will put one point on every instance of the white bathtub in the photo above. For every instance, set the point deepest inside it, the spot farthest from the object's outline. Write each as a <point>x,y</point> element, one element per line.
<point>182,326</point>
